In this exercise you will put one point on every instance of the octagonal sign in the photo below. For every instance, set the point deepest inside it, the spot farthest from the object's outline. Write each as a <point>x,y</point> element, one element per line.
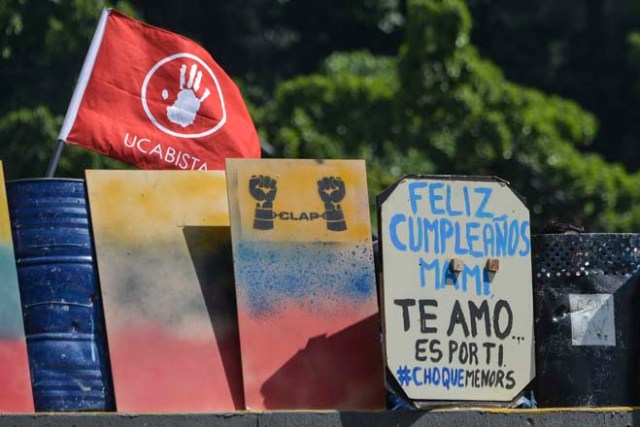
<point>457,288</point>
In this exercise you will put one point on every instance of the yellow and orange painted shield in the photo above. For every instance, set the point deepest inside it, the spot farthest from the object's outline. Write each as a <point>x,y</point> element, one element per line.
<point>305,284</point>
<point>15,383</point>
<point>164,258</point>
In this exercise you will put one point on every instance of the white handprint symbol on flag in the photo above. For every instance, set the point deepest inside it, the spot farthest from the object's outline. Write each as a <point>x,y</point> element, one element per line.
<point>184,109</point>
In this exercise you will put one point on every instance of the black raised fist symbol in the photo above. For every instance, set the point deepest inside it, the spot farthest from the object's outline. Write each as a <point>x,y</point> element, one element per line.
<point>332,191</point>
<point>263,189</point>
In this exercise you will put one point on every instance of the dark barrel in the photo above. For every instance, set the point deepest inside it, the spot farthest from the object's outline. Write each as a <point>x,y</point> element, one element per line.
<point>60,294</point>
<point>587,319</point>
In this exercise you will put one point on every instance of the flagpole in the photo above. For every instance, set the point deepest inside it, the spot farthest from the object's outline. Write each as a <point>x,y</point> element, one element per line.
<point>78,92</point>
<point>53,164</point>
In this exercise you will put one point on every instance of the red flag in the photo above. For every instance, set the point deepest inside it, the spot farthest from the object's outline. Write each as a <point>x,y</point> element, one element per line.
<point>156,100</point>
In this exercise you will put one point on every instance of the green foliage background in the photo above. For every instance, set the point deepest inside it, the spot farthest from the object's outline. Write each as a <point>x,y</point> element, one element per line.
<point>402,84</point>
<point>41,52</point>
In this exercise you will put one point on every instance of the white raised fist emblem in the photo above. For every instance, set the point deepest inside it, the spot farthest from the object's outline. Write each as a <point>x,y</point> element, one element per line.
<point>185,108</point>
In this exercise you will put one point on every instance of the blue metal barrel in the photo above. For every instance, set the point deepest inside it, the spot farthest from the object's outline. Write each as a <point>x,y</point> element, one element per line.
<point>59,288</point>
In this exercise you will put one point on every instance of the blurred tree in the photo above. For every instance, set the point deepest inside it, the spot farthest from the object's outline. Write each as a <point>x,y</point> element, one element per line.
<point>575,48</point>
<point>265,41</point>
<point>41,52</point>
<point>446,110</point>
<point>435,107</point>
<point>346,111</point>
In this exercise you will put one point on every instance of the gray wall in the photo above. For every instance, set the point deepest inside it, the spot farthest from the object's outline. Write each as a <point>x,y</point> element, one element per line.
<point>582,418</point>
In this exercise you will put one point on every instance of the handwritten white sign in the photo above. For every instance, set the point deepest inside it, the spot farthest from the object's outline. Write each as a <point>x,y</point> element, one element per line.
<point>457,288</point>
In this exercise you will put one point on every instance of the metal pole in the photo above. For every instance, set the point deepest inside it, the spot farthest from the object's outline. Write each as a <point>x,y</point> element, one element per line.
<point>53,164</point>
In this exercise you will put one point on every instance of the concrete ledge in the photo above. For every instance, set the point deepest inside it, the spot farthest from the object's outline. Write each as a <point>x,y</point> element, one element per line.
<point>582,417</point>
